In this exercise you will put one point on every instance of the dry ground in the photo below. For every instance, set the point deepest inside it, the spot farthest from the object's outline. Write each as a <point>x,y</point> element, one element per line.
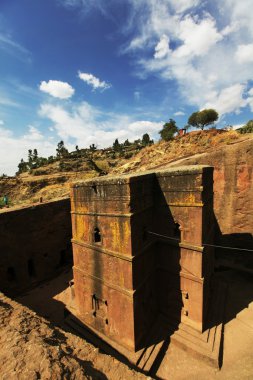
<point>34,347</point>
<point>31,347</point>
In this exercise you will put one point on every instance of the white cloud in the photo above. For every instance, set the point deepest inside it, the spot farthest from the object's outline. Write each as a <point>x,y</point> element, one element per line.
<point>250,92</point>
<point>179,113</point>
<point>57,89</point>
<point>162,48</point>
<point>1,122</point>
<point>230,99</point>
<point>244,53</point>
<point>144,126</point>
<point>13,148</point>
<point>199,45</point>
<point>237,126</point>
<point>197,36</point>
<point>33,134</point>
<point>203,50</point>
<point>93,81</point>
<point>86,125</point>
<point>250,103</point>
<point>238,12</point>
<point>182,5</point>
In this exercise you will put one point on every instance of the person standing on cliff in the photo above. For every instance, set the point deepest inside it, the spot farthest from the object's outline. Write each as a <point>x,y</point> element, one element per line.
<point>5,200</point>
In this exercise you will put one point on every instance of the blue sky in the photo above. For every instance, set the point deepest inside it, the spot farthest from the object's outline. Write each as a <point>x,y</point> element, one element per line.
<point>90,71</point>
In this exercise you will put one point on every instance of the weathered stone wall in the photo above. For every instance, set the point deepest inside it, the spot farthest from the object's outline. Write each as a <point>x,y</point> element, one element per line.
<point>34,244</point>
<point>233,191</point>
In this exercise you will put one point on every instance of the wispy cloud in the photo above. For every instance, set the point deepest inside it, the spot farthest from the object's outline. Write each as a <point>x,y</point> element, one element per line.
<point>10,46</point>
<point>7,101</point>
<point>93,81</point>
<point>87,6</point>
<point>137,95</point>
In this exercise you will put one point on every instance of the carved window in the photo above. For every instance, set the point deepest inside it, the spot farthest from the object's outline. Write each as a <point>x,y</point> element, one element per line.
<point>94,188</point>
<point>97,235</point>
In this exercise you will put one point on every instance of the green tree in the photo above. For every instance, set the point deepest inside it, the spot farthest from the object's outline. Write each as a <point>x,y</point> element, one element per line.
<point>77,152</point>
<point>146,140</point>
<point>126,143</point>
<point>22,166</point>
<point>93,147</point>
<point>247,128</point>
<point>35,159</point>
<point>30,156</point>
<point>116,146</point>
<point>168,131</point>
<point>203,118</point>
<point>35,154</point>
<point>41,161</point>
<point>61,150</point>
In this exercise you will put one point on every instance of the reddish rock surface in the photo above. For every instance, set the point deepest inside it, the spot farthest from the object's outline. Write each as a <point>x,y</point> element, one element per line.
<point>233,185</point>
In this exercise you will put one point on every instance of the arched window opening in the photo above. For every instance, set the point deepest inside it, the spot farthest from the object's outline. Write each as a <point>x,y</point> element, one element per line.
<point>97,235</point>
<point>94,187</point>
<point>31,268</point>
<point>11,274</point>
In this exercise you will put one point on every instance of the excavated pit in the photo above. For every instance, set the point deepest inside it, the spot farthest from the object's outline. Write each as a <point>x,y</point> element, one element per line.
<point>36,270</point>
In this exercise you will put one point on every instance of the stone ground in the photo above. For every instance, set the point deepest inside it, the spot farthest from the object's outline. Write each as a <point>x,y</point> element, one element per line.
<point>237,362</point>
<point>34,346</point>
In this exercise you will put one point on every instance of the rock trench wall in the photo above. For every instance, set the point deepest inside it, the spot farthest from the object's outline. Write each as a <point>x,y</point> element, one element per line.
<point>34,244</point>
<point>233,191</point>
